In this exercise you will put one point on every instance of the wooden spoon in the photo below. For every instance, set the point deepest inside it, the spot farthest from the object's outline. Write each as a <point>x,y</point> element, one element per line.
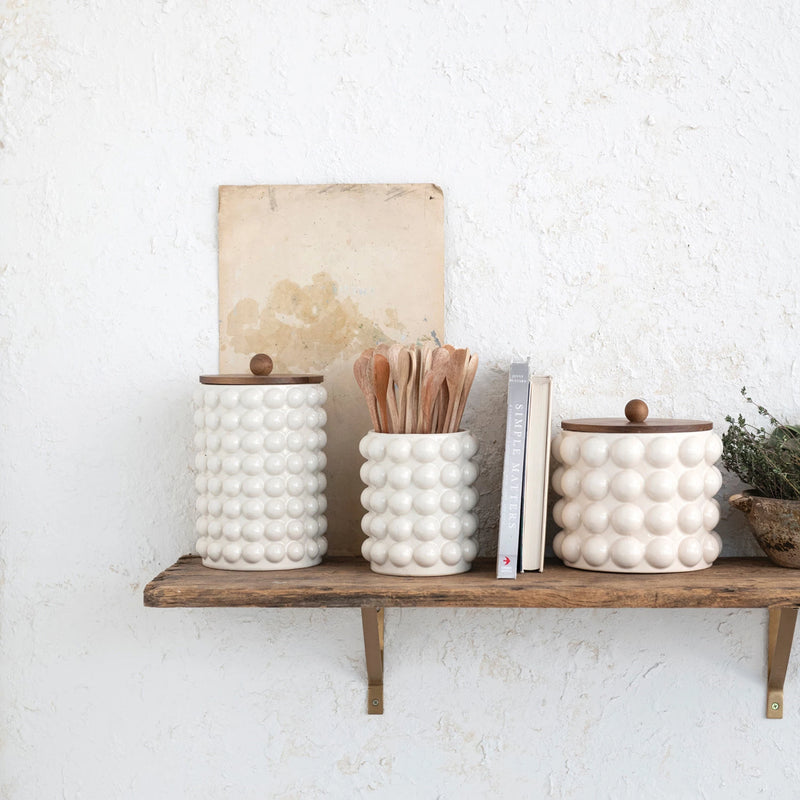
<point>361,370</point>
<point>423,368</point>
<point>431,386</point>
<point>381,378</point>
<point>469,377</point>
<point>412,392</point>
<point>398,364</point>
<point>454,378</point>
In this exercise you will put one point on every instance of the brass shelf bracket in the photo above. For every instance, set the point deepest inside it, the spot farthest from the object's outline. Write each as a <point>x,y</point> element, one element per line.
<point>372,623</point>
<point>781,633</point>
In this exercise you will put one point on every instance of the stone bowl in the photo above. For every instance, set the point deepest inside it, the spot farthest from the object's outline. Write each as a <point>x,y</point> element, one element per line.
<point>775,524</point>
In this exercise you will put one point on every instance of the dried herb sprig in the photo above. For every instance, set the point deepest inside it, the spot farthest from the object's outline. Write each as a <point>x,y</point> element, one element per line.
<point>769,461</point>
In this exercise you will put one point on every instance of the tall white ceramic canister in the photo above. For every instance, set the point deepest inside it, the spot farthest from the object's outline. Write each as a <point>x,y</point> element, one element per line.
<point>637,494</point>
<point>260,466</point>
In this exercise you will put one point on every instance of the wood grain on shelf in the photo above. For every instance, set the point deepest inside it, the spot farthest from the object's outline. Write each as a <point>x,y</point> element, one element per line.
<point>349,582</point>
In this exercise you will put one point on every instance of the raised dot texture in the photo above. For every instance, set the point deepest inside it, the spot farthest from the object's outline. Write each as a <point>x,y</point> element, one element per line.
<point>690,485</point>
<point>661,451</point>
<point>712,481</point>
<point>230,421</point>
<point>425,450</point>
<point>690,518</point>
<point>595,485</point>
<point>690,551</point>
<point>426,482</point>
<point>426,554</point>
<point>401,502</point>
<point>710,514</point>
<point>570,450</point>
<point>401,528</point>
<point>595,550</point>
<point>231,553</point>
<point>571,515</point>
<point>451,553</point>
<point>252,398</point>
<point>660,553</point>
<point>712,546</point>
<point>425,476</point>
<point>399,450</point>
<point>558,507</point>
<point>400,476</point>
<point>400,554</point>
<point>713,449</point>
<point>571,483</point>
<point>451,448</point>
<point>627,452</point>
<point>426,502</point>
<point>594,451</point>
<point>451,476</point>
<point>660,519</point>
<point>571,547</point>
<point>661,486</point>
<point>595,518</point>
<point>295,551</point>
<point>627,485</point>
<point>692,451</point>
<point>627,552</point>
<point>231,530</point>
<point>253,553</point>
<point>627,519</point>
<point>427,528</point>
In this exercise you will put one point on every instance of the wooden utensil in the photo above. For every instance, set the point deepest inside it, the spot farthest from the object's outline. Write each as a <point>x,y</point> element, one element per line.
<point>412,392</point>
<point>431,387</point>
<point>423,366</point>
<point>398,365</point>
<point>469,377</point>
<point>454,378</point>
<point>381,378</point>
<point>361,370</point>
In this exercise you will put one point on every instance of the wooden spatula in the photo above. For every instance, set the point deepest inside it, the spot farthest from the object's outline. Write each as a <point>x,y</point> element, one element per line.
<point>381,379</point>
<point>361,370</point>
<point>431,386</point>
<point>469,377</point>
<point>454,378</point>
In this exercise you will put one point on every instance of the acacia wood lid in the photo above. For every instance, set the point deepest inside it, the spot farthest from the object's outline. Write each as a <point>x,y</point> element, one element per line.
<point>636,421</point>
<point>260,374</point>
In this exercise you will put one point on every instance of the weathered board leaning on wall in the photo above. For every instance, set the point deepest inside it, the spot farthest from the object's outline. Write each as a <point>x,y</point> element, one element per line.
<point>313,275</point>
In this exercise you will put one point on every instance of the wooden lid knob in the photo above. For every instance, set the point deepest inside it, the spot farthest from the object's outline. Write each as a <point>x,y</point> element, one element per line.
<point>261,364</point>
<point>636,411</point>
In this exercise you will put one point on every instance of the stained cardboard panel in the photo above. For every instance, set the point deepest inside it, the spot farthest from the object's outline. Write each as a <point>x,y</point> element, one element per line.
<point>313,275</point>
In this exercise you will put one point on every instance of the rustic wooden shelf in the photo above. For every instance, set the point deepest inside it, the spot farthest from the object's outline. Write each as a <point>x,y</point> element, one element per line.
<point>349,583</point>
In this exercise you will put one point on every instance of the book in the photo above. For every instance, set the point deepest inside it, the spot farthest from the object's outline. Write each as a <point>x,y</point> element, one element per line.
<point>536,475</point>
<point>513,466</point>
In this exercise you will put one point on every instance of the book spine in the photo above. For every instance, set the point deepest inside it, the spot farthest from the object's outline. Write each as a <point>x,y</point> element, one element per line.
<point>513,467</point>
<point>537,459</point>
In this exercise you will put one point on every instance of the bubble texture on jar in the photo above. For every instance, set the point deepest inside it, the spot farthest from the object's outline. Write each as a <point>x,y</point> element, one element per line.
<point>419,501</point>
<point>636,502</point>
<point>259,476</point>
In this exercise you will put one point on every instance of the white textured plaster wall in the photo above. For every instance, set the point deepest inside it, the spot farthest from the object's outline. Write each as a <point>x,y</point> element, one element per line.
<point>621,189</point>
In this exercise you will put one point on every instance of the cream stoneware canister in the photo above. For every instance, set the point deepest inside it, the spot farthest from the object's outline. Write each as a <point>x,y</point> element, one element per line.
<point>260,470</point>
<point>637,495</point>
<point>419,500</point>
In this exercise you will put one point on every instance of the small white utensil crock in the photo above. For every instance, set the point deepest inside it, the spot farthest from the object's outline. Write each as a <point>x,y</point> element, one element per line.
<point>260,471</point>
<point>419,501</point>
<point>637,494</point>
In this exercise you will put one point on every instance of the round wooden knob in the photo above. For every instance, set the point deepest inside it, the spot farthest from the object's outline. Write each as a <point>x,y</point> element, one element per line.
<point>636,411</point>
<point>261,364</point>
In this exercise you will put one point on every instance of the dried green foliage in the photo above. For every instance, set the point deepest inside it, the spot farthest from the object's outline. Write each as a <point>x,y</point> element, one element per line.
<point>769,461</point>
